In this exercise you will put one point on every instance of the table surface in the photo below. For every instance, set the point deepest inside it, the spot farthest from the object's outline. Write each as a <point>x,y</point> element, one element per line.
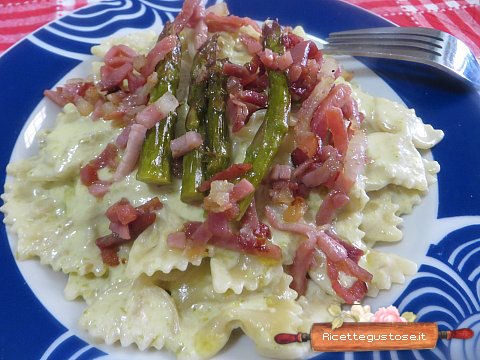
<point>461,18</point>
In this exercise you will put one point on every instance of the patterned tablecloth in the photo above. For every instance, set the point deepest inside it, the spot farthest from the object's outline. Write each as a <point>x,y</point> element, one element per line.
<point>461,18</point>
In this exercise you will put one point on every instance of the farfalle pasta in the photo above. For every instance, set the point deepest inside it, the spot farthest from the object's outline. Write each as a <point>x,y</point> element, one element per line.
<point>272,180</point>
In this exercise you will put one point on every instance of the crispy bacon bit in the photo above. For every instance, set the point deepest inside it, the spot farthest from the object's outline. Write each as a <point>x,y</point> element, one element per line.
<point>237,113</point>
<point>132,151</point>
<point>69,92</point>
<point>303,260</point>
<point>162,48</point>
<point>99,188</point>
<point>121,212</point>
<point>280,172</point>
<point>185,143</point>
<point>177,240</point>
<point>231,173</point>
<point>229,23</point>
<point>355,293</point>
<point>122,139</point>
<point>290,40</point>
<point>274,61</point>
<point>337,128</point>
<point>112,78</point>
<point>253,45</point>
<point>126,224</point>
<point>337,97</point>
<point>89,172</point>
<point>185,14</point>
<point>340,257</point>
<point>110,256</point>
<point>299,156</point>
<point>241,190</point>
<point>309,106</point>
<point>118,55</point>
<point>157,111</point>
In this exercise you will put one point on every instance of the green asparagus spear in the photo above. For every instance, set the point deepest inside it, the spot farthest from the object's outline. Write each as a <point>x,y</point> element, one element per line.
<point>266,143</point>
<point>154,165</point>
<point>197,101</point>
<point>218,145</point>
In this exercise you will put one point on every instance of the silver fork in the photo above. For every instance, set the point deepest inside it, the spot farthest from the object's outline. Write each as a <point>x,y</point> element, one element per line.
<point>422,45</point>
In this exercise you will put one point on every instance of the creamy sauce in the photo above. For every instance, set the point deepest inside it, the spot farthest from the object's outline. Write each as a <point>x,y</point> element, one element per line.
<point>212,292</point>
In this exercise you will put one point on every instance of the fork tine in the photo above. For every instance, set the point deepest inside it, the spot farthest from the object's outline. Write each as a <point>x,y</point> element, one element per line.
<point>390,52</point>
<point>386,37</point>
<point>425,32</point>
<point>387,43</point>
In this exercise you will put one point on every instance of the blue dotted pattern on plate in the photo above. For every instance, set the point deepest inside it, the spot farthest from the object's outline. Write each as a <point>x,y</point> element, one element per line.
<point>435,97</point>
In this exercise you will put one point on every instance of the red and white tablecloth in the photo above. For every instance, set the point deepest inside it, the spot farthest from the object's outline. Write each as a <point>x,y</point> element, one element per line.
<point>461,18</point>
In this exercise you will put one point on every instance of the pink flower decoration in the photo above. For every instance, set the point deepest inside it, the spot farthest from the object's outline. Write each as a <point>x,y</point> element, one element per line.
<point>389,314</point>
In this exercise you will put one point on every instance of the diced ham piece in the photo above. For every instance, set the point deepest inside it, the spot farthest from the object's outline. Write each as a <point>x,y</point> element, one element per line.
<point>231,173</point>
<point>201,28</point>
<point>340,256</point>
<point>303,260</point>
<point>334,201</point>
<point>185,14</point>
<point>185,143</point>
<point>309,106</point>
<point>157,111</point>
<point>355,293</point>
<point>302,51</point>
<point>99,188</point>
<point>126,224</point>
<point>132,151</point>
<point>241,190</point>
<point>337,97</point>
<point>280,172</point>
<point>229,23</point>
<point>122,230</point>
<point>110,256</point>
<point>112,78</point>
<point>253,97</point>
<point>63,95</point>
<point>158,53</point>
<point>355,158</point>
<point>107,158</point>
<point>89,172</point>
<point>237,113</point>
<point>121,212</point>
<point>118,55</point>
<point>323,173</point>
<point>122,139</point>
<point>177,240</point>
<point>274,61</point>
<point>338,129</point>
<point>253,45</point>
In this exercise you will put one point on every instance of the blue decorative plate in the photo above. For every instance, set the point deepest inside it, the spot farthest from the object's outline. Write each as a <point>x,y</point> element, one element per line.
<point>442,235</point>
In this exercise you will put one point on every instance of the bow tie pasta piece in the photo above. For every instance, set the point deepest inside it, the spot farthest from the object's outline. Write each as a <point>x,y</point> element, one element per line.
<point>315,304</point>
<point>46,219</point>
<point>207,318</point>
<point>380,222</point>
<point>150,252</point>
<point>237,271</point>
<point>133,312</point>
<point>382,115</point>
<point>393,160</point>
<point>386,269</point>
<point>72,143</point>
